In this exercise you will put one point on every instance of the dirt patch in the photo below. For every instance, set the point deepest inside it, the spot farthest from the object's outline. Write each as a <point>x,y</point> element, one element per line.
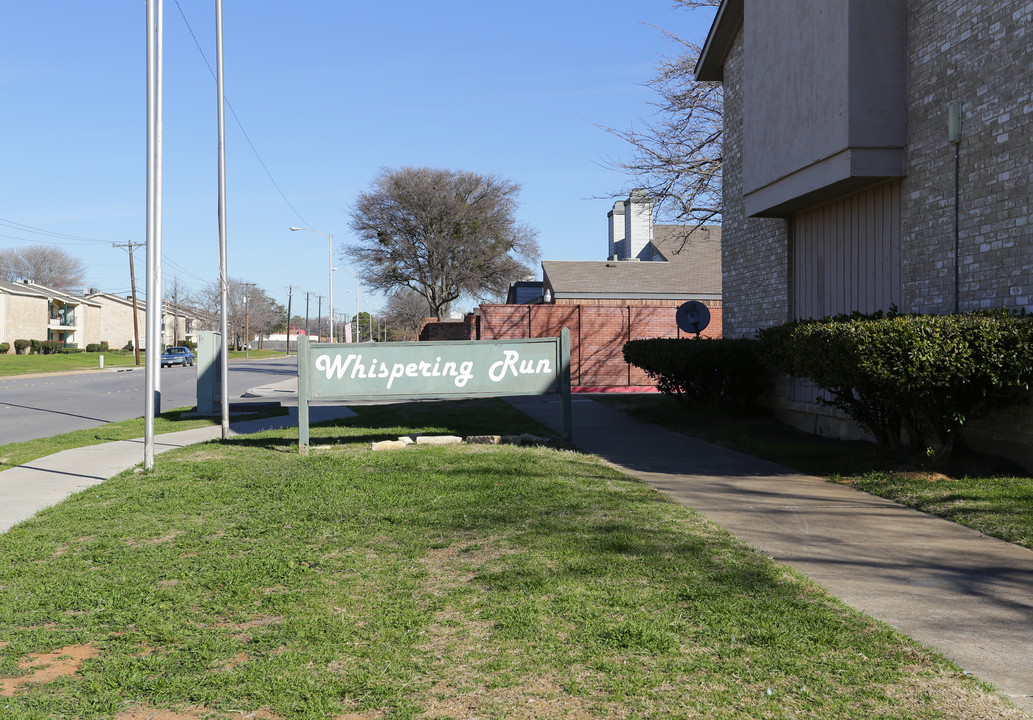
<point>232,663</point>
<point>65,547</point>
<point>166,538</point>
<point>47,667</point>
<point>540,697</point>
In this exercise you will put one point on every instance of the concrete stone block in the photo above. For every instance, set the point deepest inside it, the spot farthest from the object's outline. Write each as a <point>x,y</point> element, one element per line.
<point>484,439</point>
<point>389,445</point>
<point>438,440</point>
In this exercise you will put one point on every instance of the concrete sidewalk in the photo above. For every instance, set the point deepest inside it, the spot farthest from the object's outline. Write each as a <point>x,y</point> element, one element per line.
<point>953,589</point>
<point>46,481</point>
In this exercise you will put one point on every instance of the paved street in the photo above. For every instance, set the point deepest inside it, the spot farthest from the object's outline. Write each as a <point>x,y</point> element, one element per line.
<point>47,405</point>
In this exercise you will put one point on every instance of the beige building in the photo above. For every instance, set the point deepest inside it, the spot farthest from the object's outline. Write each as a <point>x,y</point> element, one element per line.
<point>115,324</point>
<point>29,311</point>
<point>36,312</point>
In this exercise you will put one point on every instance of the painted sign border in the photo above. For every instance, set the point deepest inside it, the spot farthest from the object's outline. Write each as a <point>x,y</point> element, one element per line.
<point>561,350</point>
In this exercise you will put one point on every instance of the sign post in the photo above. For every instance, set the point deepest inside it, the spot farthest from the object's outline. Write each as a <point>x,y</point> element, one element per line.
<point>432,371</point>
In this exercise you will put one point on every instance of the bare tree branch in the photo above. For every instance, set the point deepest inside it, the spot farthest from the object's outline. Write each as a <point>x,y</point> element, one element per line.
<point>44,265</point>
<point>676,155</point>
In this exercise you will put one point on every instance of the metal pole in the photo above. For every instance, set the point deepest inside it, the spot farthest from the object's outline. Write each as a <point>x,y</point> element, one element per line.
<point>330,245</point>
<point>148,399</point>
<point>159,344</point>
<point>224,370</point>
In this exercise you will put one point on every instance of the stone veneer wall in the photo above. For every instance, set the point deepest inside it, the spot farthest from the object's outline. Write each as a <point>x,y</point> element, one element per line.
<point>754,251</point>
<point>980,53</point>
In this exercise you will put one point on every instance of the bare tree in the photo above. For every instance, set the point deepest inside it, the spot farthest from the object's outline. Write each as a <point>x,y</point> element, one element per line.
<point>43,264</point>
<point>249,310</point>
<point>676,155</point>
<point>441,233</point>
<point>406,311</point>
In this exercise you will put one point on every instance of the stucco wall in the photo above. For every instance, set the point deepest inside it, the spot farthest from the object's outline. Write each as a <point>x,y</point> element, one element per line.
<point>27,318</point>
<point>824,92</point>
<point>116,325</point>
<point>980,53</point>
<point>754,251</point>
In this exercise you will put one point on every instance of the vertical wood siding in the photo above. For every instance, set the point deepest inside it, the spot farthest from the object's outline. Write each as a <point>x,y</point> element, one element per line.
<point>846,255</point>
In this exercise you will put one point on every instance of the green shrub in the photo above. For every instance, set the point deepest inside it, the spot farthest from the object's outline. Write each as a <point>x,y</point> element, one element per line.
<point>70,349</point>
<point>94,348</point>
<point>910,379</point>
<point>20,346</point>
<point>4,348</point>
<point>720,375</point>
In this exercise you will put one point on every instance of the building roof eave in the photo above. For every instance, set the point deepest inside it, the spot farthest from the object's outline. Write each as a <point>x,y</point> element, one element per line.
<point>729,18</point>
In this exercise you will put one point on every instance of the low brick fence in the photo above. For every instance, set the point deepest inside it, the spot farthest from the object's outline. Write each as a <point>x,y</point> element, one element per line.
<point>597,334</point>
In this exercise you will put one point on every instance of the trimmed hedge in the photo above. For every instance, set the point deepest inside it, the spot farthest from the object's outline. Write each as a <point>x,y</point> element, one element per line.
<point>20,346</point>
<point>4,348</point>
<point>909,379</point>
<point>716,374</point>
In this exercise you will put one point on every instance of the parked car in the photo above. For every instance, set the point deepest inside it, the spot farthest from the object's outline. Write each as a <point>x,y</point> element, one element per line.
<point>177,355</point>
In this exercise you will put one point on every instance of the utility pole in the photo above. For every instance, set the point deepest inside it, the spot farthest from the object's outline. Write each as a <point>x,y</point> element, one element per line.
<point>290,296</point>
<point>175,311</point>
<point>319,318</point>
<point>306,313</point>
<point>247,319</point>
<point>132,280</point>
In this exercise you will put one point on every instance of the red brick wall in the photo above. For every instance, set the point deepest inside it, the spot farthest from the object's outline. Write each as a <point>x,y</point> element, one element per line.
<point>438,330</point>
<point>597,334</point>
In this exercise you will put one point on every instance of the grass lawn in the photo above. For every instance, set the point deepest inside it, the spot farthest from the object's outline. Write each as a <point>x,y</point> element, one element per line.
<point>14,454</point>
<point>240,579</point>
<point>11,364</point>
<point>990,495</point>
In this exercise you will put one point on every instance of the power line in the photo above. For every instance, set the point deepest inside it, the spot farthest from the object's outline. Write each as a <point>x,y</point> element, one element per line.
<point>239,123</point>
<point>21,227</point>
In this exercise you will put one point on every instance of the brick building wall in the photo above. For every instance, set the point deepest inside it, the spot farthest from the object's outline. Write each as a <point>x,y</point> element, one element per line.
<point>979,53</point>
<point>435,330</point>
<point>754,251</point>
<point>597,334</point>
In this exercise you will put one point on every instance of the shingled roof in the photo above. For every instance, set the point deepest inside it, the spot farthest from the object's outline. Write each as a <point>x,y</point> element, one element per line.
<point>684,267</point>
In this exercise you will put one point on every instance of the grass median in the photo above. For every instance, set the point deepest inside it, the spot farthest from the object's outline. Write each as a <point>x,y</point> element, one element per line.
<point>15,454</point>
<point>988,494</point>
<point>241,579</point>
<point>12,365</point>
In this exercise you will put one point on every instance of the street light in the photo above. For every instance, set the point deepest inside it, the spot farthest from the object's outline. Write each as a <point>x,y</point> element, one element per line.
<point>330,255</point>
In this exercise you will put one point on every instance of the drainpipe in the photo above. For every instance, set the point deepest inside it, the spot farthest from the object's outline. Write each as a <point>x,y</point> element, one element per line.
<point>954,135</point>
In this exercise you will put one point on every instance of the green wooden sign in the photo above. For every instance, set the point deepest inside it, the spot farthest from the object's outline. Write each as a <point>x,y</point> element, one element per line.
<point>425,371</point>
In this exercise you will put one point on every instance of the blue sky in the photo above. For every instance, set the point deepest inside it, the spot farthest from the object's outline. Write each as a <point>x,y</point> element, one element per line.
<point>328,93</point>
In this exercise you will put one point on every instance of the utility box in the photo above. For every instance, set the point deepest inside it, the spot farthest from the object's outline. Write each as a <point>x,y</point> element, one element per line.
<point>209,375</point>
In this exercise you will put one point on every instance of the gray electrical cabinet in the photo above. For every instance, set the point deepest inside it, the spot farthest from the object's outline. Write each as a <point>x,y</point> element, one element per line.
<point>209,377</point>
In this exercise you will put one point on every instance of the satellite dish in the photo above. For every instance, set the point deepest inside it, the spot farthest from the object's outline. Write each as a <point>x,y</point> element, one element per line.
<point>693,317</point>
